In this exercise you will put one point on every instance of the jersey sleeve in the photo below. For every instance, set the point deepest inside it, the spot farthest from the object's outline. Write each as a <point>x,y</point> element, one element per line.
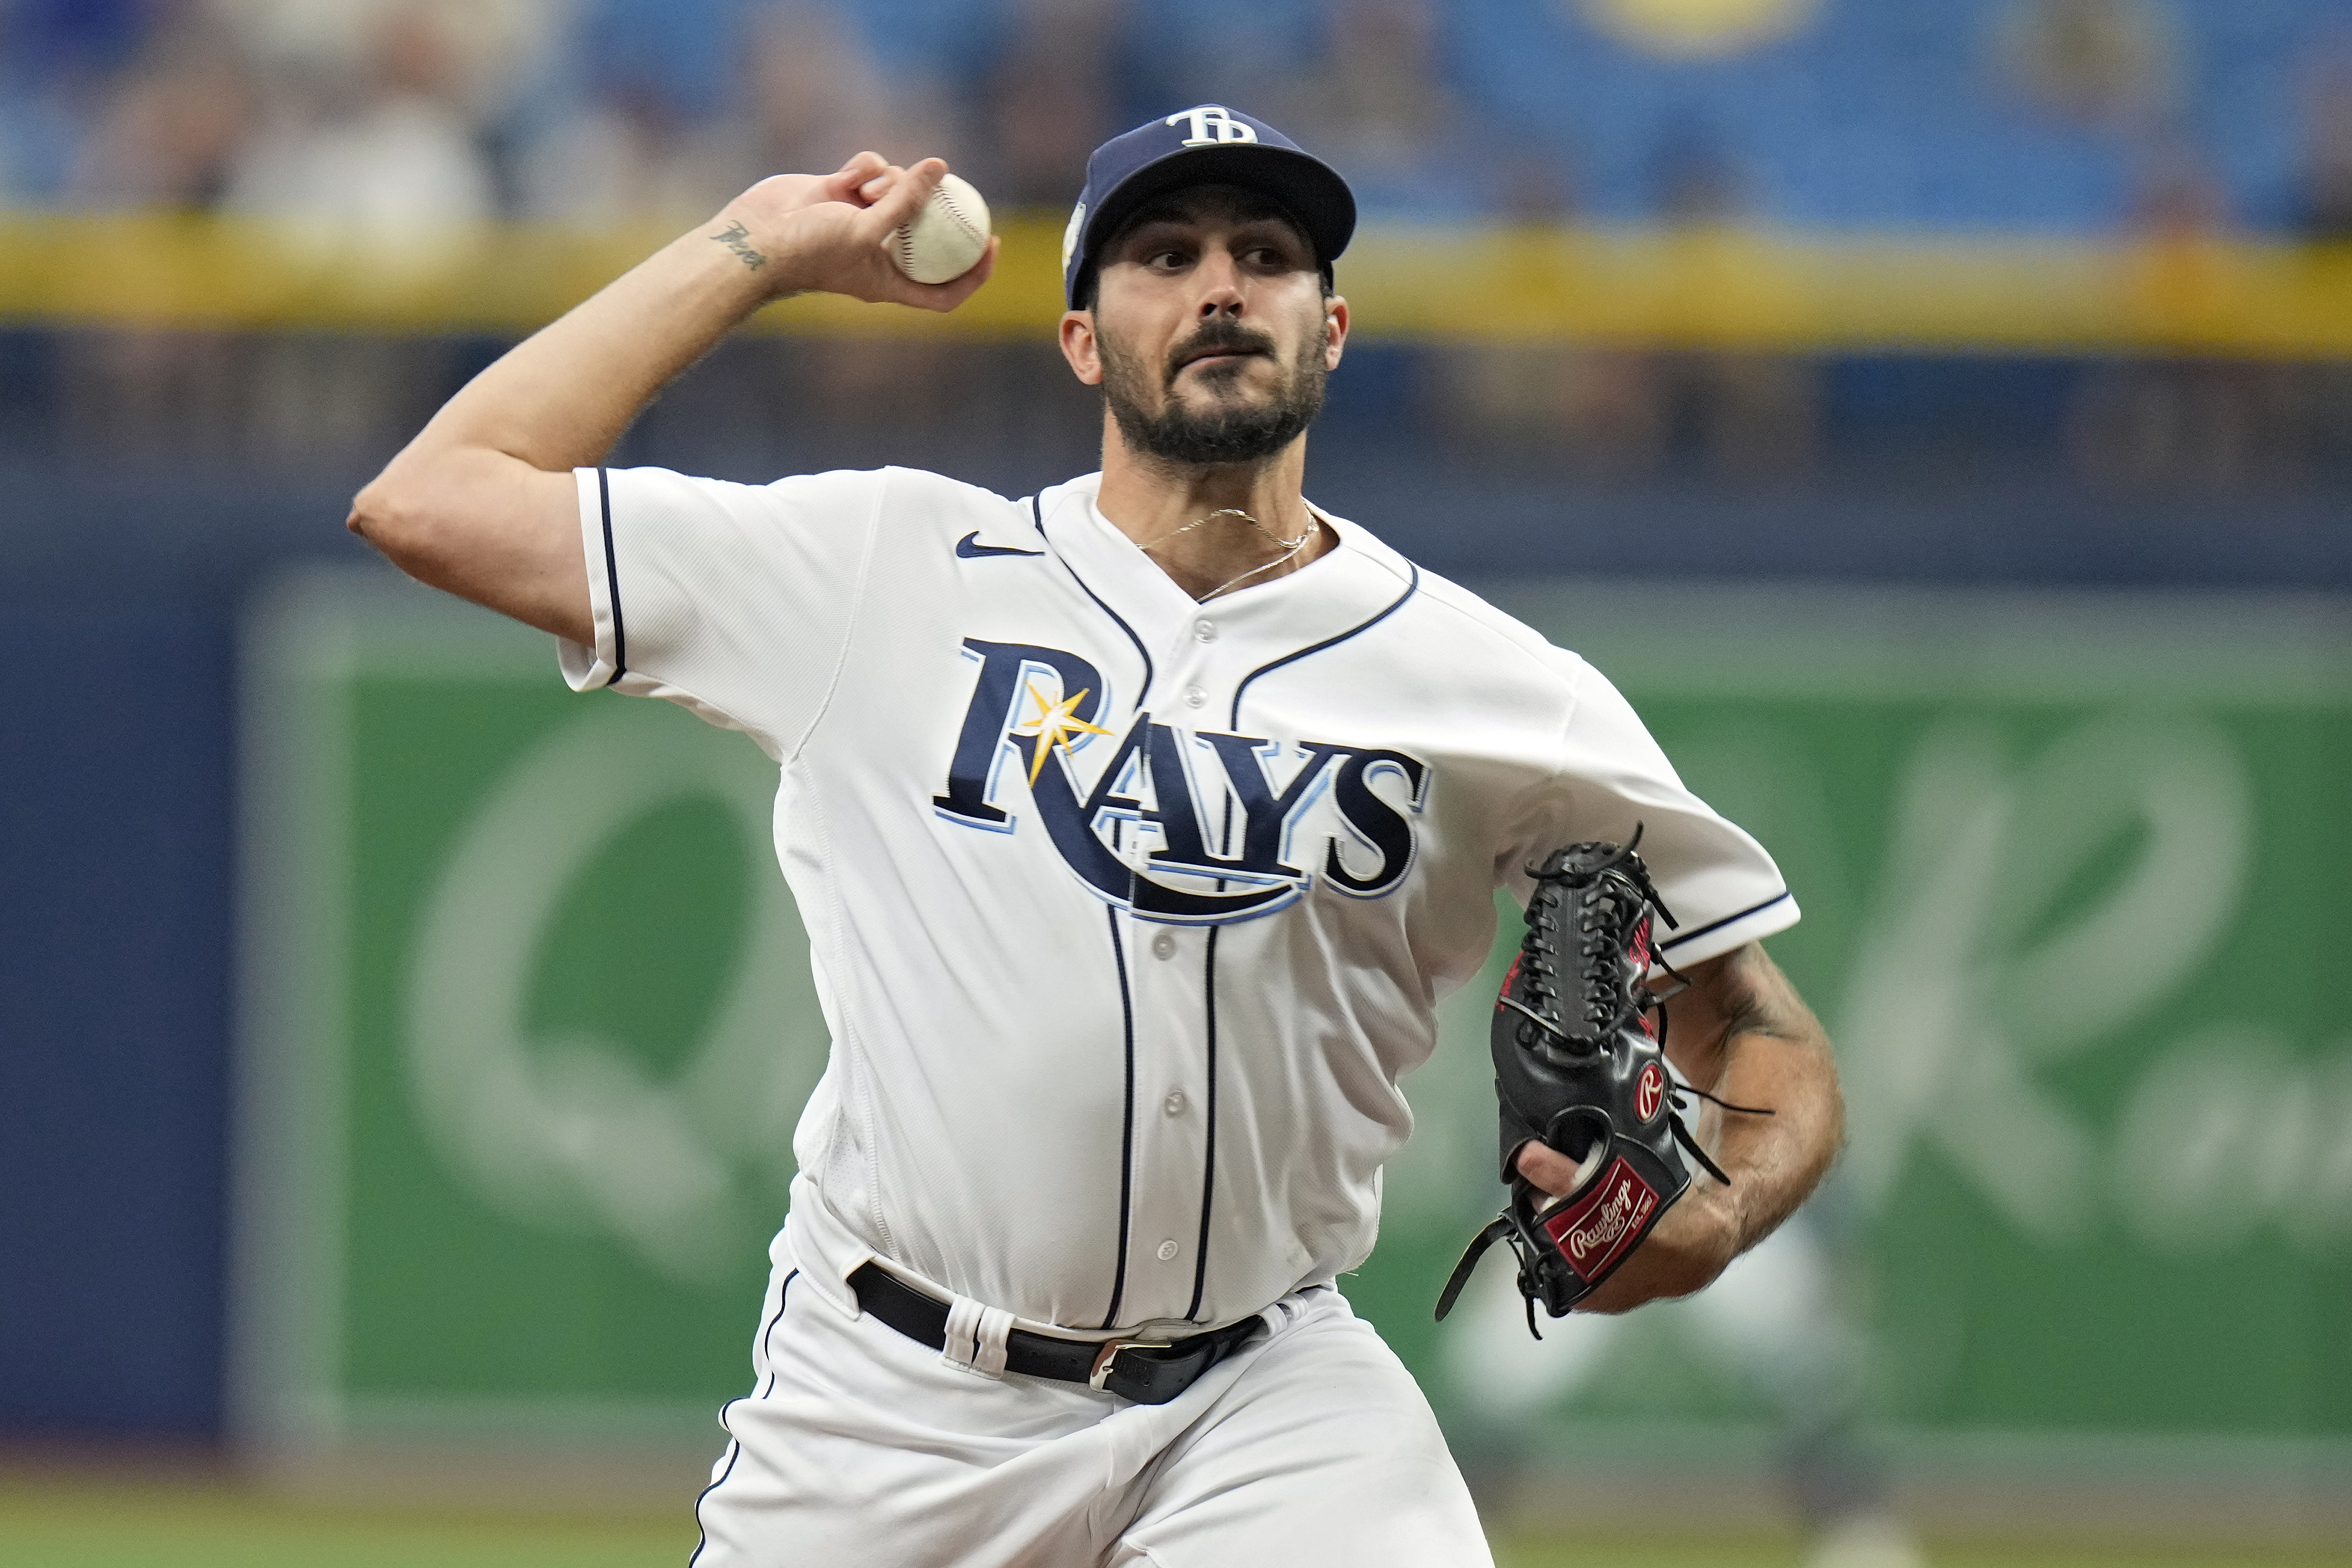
<point>1723,889</point>
<point>734,601</point>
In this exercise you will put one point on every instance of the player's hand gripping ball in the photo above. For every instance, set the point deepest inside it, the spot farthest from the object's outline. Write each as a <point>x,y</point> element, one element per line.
<point>947,236</point>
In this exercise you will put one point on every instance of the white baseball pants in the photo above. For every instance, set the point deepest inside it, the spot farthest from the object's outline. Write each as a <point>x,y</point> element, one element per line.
<point>1310,1446</point>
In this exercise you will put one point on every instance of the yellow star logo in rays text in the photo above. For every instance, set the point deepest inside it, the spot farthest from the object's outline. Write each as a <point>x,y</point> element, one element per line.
<point>1056,723</point>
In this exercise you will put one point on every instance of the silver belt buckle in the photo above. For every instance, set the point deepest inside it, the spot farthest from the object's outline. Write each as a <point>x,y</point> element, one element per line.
<point>1109,1354</point>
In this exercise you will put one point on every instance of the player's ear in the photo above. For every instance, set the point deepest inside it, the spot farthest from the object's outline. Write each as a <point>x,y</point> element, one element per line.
<point>1335,331</point>
<point>1079,346</point>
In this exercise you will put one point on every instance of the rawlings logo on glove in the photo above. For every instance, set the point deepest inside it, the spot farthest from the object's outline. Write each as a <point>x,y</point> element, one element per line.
<point>1578,1042</point>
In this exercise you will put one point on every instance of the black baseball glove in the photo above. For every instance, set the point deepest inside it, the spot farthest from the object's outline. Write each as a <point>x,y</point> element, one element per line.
<point>1579,1041</point>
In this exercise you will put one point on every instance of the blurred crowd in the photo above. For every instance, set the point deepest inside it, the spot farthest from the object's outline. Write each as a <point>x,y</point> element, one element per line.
<point>597,111</point>
<point>391,118</point>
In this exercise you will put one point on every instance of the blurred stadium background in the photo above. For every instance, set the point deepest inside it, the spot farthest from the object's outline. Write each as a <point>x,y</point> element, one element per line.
<point>387,1134</point>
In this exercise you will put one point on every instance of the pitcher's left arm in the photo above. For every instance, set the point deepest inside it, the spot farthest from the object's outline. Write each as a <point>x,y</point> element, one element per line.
<point>1741,1033</point>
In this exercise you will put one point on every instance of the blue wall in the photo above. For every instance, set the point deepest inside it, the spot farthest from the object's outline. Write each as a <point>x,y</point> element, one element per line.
<point>115,854</point>
<point>118,594</point>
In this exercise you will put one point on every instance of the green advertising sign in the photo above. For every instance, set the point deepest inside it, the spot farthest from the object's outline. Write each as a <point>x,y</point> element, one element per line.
<point>531,1022</point>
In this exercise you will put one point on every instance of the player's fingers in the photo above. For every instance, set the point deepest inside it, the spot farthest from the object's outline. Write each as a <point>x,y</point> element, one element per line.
<point>906,191</point>
<point>901,289</point>
<point>842,184</point>
<point>1550,1170</point>
<point>862,166</point>
<point>889,174</point>
<point>947,296</point>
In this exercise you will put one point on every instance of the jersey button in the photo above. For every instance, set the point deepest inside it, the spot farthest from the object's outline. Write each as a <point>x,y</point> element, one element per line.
<point>1165,945</point>
<point>1168,1249</point>
<point>1205,631</point>
<point>1195,698</point>
<point>1175,1104</point>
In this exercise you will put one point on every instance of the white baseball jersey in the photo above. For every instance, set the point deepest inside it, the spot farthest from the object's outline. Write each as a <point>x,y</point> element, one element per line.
<point>1127,912</point>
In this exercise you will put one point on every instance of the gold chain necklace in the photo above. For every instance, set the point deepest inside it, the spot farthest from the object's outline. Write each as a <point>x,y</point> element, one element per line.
<point>1289,547</point>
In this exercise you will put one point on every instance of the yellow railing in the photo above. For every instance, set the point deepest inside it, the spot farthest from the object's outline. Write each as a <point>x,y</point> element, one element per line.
<point>1722,287</point>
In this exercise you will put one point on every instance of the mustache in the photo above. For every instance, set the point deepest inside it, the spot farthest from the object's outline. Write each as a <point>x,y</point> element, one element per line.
<point>1223,335</point>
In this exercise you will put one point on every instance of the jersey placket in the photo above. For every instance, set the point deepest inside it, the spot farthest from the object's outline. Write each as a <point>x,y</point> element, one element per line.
<point>1200,657</point>
<point>1169,1114</point>
<point>1173,971</point>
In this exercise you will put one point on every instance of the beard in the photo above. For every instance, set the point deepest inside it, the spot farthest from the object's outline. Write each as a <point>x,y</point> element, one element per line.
<point>1228,432</point>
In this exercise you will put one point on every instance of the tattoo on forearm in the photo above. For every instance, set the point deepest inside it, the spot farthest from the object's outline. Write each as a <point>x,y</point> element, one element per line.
<point>1744,1008</point>
<point>1742,993</point>
<point>1756,1000</point>
<point>737,238</point>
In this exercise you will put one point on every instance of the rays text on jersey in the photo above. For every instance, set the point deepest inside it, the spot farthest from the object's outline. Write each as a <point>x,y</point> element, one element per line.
<point>1179,825</point>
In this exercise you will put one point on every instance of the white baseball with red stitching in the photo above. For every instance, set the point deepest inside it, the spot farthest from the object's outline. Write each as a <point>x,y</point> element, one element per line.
<point>944,240</point>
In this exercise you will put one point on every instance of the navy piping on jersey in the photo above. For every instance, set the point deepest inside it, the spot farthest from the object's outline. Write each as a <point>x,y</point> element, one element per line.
<point>734,1446</point>
<point>701,1533</point>
<point>783,1294</point>
<point>1410,588</point>
<point>1209,1157</point>
<point>1127,1135</point>
<point>1681,937</point>
<point>1038,514</point>
<point>613,582</point>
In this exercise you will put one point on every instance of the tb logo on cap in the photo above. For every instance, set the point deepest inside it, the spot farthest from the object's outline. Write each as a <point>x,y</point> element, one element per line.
<point>1211,125</point>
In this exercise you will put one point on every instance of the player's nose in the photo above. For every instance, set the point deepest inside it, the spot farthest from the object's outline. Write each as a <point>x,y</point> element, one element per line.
<point>1221,285</point>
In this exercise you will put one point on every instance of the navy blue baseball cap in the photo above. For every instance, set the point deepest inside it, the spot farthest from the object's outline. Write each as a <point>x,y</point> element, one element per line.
<point>1210,145</point>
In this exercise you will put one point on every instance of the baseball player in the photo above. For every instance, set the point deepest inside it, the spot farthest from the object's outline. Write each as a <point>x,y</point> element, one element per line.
<point>1137,824</point>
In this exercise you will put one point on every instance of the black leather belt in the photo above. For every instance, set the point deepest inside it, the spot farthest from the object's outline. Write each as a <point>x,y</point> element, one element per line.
<point>1148,1372</point>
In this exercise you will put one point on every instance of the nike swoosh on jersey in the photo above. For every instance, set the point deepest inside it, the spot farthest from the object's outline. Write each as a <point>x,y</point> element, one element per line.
<point>972,548</point>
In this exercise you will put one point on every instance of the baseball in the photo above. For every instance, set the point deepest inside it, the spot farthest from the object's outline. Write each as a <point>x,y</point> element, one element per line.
<point>944,240</point>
